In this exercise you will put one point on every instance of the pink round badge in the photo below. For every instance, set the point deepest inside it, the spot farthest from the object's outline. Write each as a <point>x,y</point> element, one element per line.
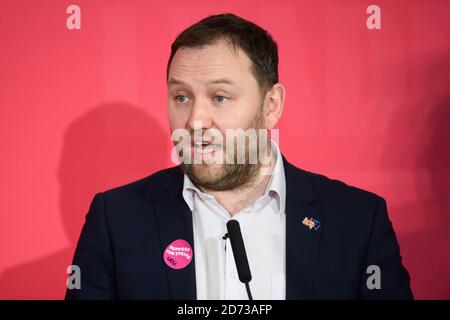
<point>178,254</point>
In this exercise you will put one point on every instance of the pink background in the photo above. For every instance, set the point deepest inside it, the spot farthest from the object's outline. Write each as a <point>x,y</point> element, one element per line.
<point>84,110</point>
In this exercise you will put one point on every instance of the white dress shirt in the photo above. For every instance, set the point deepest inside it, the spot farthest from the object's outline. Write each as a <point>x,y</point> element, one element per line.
<point>263,227</point>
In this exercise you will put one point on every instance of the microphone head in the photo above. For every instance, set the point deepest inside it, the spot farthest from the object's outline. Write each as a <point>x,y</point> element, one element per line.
<point>240,256</point>
<point>233,225</point>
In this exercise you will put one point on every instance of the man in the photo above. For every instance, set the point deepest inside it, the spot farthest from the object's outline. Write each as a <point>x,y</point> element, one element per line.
<point>306,236</point>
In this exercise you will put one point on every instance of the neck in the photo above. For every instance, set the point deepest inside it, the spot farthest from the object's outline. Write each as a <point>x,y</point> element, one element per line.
<point>236,200</point>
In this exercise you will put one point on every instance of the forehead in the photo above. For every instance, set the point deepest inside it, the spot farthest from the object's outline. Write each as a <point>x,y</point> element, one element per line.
<point>217,60</point>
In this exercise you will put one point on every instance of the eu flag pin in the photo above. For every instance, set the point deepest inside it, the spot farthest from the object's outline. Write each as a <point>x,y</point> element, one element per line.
<point>311,223</point>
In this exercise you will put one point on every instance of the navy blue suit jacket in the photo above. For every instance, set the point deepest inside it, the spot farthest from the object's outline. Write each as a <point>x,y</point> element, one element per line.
<point>120,250</point>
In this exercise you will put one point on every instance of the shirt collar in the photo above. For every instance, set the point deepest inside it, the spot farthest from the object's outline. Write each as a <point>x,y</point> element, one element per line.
<point>188,192</point>
<point>277,183</point>
<point>275,188</point>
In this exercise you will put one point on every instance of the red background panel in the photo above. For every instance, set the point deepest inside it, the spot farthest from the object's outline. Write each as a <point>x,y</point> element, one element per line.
<point>84,110</point>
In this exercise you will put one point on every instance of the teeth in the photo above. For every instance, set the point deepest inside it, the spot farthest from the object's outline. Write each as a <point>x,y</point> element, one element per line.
<point>199,143</point>
<point>200,148</point>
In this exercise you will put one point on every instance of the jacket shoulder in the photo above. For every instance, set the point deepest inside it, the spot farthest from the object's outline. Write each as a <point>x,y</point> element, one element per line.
<point>337,194</point>
<point>331,187</point>
<point>153,184</point>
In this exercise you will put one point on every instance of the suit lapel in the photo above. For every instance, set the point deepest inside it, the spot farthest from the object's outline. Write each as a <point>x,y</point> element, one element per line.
<point>302,243</point>
<point>174,220</point>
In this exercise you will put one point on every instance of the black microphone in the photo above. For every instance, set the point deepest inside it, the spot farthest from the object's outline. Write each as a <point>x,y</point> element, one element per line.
<point>240,256</point>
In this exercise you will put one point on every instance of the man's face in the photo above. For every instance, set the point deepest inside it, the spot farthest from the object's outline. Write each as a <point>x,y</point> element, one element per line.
<point>213,85</point>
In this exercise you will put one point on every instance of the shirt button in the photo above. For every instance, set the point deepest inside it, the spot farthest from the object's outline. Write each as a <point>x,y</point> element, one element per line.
<point>233,275</point>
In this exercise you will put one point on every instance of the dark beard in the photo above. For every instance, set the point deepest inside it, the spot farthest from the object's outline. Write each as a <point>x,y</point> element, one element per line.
<point>234,175</point>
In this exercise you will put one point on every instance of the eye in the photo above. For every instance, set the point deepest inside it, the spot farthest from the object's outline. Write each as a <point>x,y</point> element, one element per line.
<point>220,99</point>
<point>181,99</point>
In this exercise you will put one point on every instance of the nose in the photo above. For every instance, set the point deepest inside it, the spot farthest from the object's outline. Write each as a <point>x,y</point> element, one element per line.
<point>200,116</point>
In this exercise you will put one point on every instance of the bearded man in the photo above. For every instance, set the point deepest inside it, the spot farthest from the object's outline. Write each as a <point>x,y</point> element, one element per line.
<point>165,236</point>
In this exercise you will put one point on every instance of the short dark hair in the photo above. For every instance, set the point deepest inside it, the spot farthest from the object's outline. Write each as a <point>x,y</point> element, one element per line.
<point>256,42</point>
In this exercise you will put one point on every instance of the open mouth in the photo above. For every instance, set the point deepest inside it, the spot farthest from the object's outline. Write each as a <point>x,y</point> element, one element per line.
<point>206,147</point>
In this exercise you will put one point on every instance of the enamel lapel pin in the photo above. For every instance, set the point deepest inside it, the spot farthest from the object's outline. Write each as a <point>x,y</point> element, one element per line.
<point>311,223</point>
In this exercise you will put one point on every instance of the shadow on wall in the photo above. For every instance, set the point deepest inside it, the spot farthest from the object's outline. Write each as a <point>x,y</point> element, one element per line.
<point>420,143</point>
<point>111,145</point>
